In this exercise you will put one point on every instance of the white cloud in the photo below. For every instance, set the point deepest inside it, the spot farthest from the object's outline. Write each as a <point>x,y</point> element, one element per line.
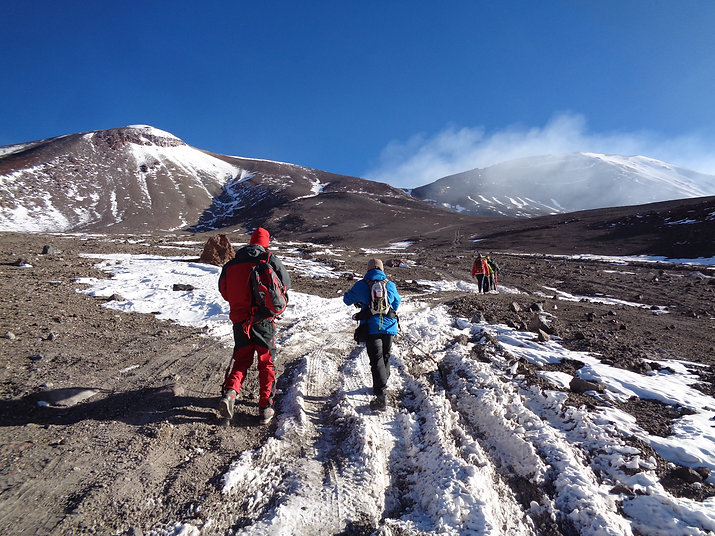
<point>423,159</point>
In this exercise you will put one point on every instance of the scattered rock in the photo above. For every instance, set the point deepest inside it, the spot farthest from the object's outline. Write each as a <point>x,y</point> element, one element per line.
<point>183,287</point>
<point>50,250</point>
<point>686,474</point>
<point>10,335</point>
<point>115,297</point>
<point>579,385</point>
<point>704,472</point>
<point>543,336</point>
<point>622,490</point>
<point>462,339</point>
<point>477,317</point>
<point>21,261</point>
<point>217,250</point>
<point>68,397</point>
<point>537,307</point>
<point>538,322</point>
<point>514,307</point>
<point>36,357</point>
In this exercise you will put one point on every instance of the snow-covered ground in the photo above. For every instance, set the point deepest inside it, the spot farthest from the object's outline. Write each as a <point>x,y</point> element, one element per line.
<point>469,449</point>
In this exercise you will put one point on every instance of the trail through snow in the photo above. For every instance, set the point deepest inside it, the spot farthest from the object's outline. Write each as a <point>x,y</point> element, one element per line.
<point>466,447</point>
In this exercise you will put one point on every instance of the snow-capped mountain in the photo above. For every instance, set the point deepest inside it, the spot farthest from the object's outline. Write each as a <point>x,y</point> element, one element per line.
<point>141,178</point>
<point>106,178</point>
<point>554,184</point>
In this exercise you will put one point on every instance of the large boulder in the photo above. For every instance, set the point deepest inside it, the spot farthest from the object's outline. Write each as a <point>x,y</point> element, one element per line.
<point>217,250</point>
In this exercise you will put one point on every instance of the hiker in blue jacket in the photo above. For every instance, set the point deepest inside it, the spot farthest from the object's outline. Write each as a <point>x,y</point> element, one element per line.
<point>379,315</point>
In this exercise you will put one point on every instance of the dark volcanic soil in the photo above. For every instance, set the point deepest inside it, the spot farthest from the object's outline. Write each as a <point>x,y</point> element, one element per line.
<point>78,468</point>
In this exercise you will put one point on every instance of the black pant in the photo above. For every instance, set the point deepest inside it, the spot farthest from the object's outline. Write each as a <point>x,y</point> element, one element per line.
<point>378,349</point>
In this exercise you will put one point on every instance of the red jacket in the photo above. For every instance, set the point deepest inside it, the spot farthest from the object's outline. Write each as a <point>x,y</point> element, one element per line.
<point>480,266</point>
<point>234,282</point>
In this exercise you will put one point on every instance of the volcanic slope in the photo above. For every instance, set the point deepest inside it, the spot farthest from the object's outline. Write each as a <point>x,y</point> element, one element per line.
<point>141,179</point>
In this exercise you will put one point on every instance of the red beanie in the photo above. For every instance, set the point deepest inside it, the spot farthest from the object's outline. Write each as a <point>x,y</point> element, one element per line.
<point>260,237</point>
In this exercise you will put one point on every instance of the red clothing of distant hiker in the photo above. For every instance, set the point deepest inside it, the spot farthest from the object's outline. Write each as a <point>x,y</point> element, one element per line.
<point>480,266</point>
<point>480,270</point>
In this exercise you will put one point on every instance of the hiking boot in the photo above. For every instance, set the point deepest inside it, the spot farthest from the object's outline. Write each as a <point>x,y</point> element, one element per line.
<point>266,414</point>
<point>379,402</point>
<point>225,406</point>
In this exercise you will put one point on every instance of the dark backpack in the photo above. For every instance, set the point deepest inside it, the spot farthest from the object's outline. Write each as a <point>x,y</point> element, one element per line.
<point>270,297</point>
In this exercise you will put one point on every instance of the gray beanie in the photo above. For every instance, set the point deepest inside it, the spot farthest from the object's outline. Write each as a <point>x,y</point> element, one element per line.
<point>374,264</point>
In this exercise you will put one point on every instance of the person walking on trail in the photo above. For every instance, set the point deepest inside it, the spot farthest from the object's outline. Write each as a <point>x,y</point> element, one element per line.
<point>378,300</point>
<point>493,273</point>
<point>480,270</point>
<point>253,326</point>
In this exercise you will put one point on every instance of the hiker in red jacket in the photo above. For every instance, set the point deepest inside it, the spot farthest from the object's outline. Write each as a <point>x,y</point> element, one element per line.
<point>480,270</point>
<point>253,330</point>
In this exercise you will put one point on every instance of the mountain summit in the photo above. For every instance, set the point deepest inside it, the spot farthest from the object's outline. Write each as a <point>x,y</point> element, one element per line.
<point>136,176</point>
<point>139,178</point>
<point>552,184</point>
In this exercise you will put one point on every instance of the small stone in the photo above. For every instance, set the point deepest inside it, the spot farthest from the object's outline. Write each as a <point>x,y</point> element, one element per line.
<point>10,335</point>
<point>579,385</point>
<point>182,287</point>
<point>686,474</point>
<point>477,317</point>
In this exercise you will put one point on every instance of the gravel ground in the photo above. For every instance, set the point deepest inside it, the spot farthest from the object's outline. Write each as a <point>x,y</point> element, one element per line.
<point>122,454</point>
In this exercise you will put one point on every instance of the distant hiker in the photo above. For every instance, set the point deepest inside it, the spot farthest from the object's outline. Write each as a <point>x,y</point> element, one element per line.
<point>253,323</point>
<point>480,270</point>
<point>493,274</point>
<point>378,300</point>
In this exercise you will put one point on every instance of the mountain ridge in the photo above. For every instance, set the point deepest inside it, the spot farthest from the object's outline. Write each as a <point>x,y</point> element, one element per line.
<point>142,179</point>
<point>551,184</point>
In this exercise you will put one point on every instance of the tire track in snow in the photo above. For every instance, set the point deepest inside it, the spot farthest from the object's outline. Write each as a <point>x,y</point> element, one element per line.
<point>516,426</point>
<point>308,495</point>
<point>443,481</point>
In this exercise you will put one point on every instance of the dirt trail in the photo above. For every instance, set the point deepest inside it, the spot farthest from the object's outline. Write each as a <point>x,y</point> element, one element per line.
<point>146,448</point>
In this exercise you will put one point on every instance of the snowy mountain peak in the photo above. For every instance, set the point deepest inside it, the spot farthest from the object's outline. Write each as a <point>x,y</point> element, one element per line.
<point>129,177</point>
<point>550,184</point>
<point>140,178</point>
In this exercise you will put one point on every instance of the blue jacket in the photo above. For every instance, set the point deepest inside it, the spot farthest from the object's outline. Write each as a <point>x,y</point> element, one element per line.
<point>360,293</point>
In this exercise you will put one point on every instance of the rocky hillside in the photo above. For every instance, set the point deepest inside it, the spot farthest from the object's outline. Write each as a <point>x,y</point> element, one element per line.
<point>140,178</point>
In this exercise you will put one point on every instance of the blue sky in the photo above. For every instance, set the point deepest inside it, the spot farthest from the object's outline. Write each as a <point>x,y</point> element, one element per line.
<point>392,90</point>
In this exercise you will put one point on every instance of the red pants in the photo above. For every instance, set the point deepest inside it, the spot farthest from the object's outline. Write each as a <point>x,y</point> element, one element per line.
<point>242,361</point>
